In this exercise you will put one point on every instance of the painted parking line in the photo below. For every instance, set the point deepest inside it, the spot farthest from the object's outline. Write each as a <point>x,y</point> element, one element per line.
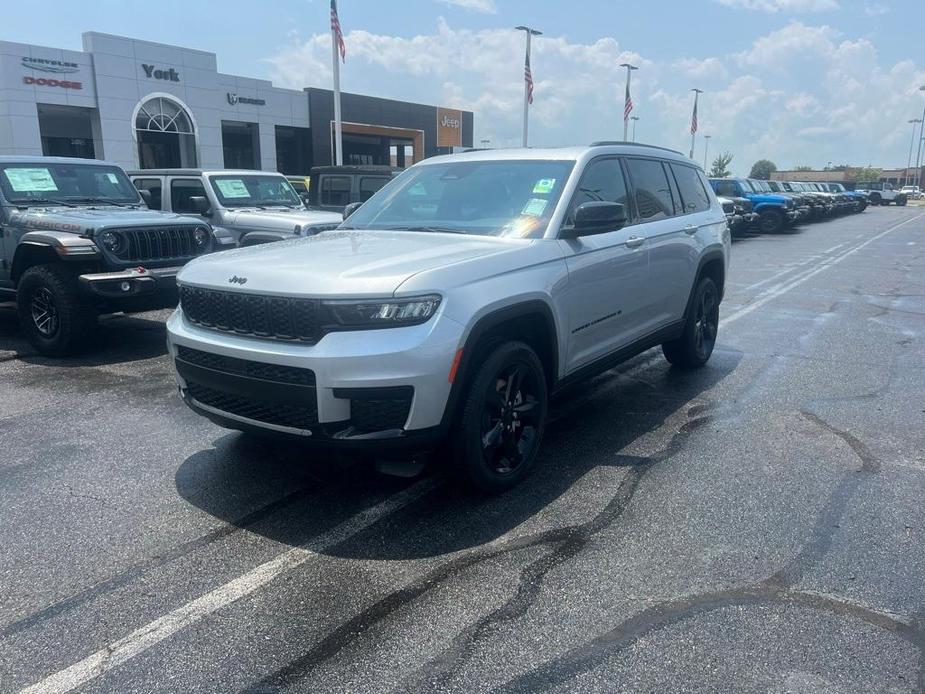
<point>158,630</point>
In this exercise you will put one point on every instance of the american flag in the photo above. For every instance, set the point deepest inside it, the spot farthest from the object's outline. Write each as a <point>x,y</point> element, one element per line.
<point>528,79</point>
<point>694,118</point>
<point>338,34</point>
<point>628,104</point>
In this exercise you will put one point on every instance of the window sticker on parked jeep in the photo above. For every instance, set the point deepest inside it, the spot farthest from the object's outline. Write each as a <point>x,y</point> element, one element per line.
<point>30,180</point>
<point>232,188</point>
<point>112,178</point>
<point>535,207</point>
<point>544,186</point>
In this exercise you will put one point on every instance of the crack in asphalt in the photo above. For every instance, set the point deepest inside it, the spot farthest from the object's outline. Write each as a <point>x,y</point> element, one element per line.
<point>778,588</point>
<point>566,541</point>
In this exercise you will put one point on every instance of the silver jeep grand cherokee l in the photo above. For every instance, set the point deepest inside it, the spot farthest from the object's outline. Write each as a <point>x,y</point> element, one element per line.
<point>452,303</point>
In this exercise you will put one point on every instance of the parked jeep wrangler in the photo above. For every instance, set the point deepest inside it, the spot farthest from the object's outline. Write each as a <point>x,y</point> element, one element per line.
<point>76,240</point>
<point>879,193</point>
<point>332,188</point>
<point>250,207</point>
<point>775,212</point>
<point>451,304</point>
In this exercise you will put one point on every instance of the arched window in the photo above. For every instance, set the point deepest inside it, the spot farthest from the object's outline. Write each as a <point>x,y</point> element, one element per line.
<point>166,134</point>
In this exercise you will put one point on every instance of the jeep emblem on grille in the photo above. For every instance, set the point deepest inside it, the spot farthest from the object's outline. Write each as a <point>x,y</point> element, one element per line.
<point>238,280</point>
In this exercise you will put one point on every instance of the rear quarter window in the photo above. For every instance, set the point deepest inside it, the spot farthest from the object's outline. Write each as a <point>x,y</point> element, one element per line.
<point>694,197</point>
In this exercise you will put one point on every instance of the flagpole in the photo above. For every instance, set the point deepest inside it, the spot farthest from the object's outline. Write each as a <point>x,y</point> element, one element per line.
<point>530,33</point>
<point>697,93</point>
<point>338,132</point>
<point>626,114</point>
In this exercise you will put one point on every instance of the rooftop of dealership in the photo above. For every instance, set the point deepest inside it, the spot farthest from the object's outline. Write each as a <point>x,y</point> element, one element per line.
<point>149,105</point>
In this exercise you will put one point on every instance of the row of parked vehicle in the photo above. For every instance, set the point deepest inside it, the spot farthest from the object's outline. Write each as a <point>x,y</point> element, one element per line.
<point>772,206</point>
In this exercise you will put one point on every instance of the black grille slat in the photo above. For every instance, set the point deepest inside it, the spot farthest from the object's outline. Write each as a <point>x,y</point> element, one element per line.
<point>280,414</point>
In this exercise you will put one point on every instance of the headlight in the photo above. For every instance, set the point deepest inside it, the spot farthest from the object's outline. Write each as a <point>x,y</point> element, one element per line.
<point>112,242</point>
<point>201,236</point>
<point>372,314</point>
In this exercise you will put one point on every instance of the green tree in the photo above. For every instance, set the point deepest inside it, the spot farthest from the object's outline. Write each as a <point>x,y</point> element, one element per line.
<point>721,166</point>
<point>803,167</point>
<point>762,169</point>
<point>866,173</point>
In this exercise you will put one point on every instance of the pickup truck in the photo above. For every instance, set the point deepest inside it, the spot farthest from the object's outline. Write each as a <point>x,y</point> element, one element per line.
<point>76,241</point>
<point>775,212</point>
<point>248,207</point>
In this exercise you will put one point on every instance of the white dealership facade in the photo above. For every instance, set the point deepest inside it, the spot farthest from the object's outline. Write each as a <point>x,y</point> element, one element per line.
<point>149,105</point>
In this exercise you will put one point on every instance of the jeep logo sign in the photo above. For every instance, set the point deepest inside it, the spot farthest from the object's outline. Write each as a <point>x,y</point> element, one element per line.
<point>170,75</point>
<point>449,127</point>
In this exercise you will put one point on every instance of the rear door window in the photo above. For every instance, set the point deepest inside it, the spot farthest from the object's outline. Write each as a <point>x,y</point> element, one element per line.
<point>694,197</point>
<point>335,190</point>
<point>369,185</point>
<point>651,190</point>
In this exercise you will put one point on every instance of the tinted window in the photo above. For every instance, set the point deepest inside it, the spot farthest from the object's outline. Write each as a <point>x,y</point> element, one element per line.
<point>602,181</point>
<point>693,196</point>
<point>182,190</point>
<point>153,186</point>
<point>335,190</point>
<point>650,189</point>
<point>369,185</point>
<point>726,188</point>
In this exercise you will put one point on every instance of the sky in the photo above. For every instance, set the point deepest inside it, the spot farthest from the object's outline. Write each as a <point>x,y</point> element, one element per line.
<point>800,82</point>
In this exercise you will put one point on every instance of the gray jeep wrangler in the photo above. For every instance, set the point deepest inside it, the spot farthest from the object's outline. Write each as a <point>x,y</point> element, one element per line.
<point>250,207</point>
<point>76,240</point>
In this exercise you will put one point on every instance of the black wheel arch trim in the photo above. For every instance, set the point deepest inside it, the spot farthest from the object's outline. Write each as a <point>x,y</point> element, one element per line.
<point>708,257</point>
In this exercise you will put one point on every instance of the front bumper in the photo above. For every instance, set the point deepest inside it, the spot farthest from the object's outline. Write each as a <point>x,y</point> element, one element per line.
<point>123,284</point>
<point>319,393</point>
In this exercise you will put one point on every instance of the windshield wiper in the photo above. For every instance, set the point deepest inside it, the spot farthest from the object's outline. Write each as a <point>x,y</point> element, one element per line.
<point>43,201</point>
<point>431,229</point>
<point>99,201</point>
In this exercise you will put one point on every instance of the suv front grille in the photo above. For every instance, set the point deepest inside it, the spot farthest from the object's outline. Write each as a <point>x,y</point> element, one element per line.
<point>140,244</point>
<point>277,317</point>
<point>250,369</point>
<point>280,414</point>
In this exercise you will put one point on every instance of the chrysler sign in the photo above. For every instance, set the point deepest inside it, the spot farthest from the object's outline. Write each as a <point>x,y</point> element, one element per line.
<point>59,67</point>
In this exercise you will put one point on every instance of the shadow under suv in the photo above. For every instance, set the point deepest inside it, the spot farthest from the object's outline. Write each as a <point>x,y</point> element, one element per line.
<point>454,301</point>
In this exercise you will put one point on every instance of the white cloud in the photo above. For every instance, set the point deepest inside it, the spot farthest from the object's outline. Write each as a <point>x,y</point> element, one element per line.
<point>484,6</point>
<point>800,94</point>
<point>792,6</point>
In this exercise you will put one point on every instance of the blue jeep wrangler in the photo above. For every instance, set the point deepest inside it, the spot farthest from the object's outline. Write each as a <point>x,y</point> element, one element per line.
<point>775,212</point>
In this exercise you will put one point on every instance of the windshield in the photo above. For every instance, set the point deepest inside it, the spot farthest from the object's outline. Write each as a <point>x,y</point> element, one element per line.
<point>497,198</point>
<point>42,183</point>
<point>254,191</point>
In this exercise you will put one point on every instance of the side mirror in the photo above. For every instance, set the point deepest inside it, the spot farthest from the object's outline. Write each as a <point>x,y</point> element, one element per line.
<point>200,205</point>
<point>351,208</point>
<point>595,218</point>
<point>145,196</point>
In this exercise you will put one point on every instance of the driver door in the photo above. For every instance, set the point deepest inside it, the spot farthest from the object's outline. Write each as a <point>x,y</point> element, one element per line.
<point>605,299</point>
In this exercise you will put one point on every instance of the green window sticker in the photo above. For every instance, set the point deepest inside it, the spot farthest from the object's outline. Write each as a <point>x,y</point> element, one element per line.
<point>112,178</point>
<point>535,207</point>
<point>30,180</point>
<point>544,186</point>
<point>232,188</point>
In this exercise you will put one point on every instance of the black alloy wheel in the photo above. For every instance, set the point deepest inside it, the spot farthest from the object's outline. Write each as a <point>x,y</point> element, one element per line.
<point>503,418</point>
<point>770,222</point>
<point>44,312</point>
<point>695,345</point>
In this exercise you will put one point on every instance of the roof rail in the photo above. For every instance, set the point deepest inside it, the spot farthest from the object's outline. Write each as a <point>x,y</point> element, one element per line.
<point>604,143</point>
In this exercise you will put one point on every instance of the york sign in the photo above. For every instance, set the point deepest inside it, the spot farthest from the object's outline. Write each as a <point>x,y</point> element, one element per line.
<point>151,72</point>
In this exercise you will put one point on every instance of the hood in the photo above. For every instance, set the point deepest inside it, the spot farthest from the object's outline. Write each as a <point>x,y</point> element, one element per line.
<point>773,198</point>
<point>339,263</point>
<point>279,220</point>
<point>81,220</point>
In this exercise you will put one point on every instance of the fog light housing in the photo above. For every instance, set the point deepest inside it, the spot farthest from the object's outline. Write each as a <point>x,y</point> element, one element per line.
<point>126,286</point>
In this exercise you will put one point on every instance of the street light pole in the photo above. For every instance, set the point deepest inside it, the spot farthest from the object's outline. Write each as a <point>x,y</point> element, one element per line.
<point>628,99</point>
<point>634,119</point>
<point>918,157</point>
<point>694,124</point>
<point>706,148</point>
<point>530,34</point>
<point>914,122</point>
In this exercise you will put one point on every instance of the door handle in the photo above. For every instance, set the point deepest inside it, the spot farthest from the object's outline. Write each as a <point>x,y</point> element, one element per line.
<point>691,229</point>
<point>634,241</point>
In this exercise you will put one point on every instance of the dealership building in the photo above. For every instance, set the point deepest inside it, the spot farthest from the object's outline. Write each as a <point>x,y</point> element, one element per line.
<point>150,105</point>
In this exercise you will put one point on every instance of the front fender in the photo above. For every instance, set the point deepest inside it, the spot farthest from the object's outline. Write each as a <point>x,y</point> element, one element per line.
<point>61,242</point>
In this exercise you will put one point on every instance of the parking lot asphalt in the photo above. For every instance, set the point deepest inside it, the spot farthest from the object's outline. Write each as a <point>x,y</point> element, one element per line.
<point>757,525</point>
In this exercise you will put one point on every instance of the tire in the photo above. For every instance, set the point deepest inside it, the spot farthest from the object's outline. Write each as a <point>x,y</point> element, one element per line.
<point>900,201</point>
<point>770,222</point>
<point>57,321</point>
<point>503,419</point>
<point>693,349</point>
<point>875,200</point>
